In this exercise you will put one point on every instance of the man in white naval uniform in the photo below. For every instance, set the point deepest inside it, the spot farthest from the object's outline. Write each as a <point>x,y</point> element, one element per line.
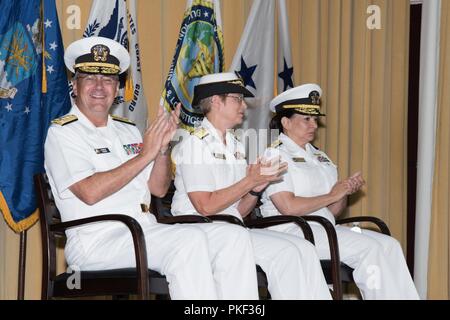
<point>99,164</point>
<point>311,186</point>
<point>212,177</point>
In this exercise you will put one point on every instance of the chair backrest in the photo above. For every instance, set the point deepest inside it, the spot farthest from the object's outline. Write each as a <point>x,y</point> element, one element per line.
<point>48,214</point>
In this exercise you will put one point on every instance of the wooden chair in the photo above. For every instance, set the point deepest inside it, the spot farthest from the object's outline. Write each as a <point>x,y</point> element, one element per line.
<point>115,282</point>
<point>336,272</point>
<point>161,207</point>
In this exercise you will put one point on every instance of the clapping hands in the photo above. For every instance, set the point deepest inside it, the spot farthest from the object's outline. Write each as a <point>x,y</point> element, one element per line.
<point>265,171</point>
<point>160,132</point>
<point>348,186</point>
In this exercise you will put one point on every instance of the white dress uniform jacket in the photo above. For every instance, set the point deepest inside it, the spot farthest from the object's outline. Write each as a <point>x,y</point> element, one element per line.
<point>75,149</point>
<point>380,268</point>
<point>204,163</point>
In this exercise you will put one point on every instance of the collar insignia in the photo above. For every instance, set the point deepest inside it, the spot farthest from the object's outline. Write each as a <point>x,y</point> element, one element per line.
<point>200,133</point>
<point>276,144</point>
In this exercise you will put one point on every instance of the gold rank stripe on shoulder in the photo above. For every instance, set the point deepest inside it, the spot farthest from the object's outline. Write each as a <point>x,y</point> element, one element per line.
<point>200,133</point>
<point>124,120</point>
<point>298,159</point>
<point>276,143</point>
<point>235,137</point>
<point>65,119</point>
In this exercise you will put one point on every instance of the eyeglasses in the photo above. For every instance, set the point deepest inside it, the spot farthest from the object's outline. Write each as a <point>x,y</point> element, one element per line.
<point>238,99</point>
<point>92,78</point>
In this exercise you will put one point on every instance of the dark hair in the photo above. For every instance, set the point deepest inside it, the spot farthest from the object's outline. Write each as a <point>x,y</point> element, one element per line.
<point>275,123</point>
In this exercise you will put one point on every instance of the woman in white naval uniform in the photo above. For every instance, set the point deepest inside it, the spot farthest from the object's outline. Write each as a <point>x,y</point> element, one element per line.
<point>212,178</point>
<point>98,164</point>
<point>311,186</point>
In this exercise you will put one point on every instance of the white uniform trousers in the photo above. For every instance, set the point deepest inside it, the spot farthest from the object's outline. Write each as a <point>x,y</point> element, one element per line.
<point>292,267</point>
<point>380,269</point>
<point>231,255</point>
<point>179,252</point>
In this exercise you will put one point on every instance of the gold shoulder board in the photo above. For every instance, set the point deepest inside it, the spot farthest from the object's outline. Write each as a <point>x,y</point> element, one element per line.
<point>276,143</point>
<point>65,119</point>
<point>200,133</point>
<point>124,120</point>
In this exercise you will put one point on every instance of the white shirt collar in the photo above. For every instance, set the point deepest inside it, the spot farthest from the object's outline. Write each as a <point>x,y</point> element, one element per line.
<point>215,133</point>
<point>81,117</point>
<point>294,148</point>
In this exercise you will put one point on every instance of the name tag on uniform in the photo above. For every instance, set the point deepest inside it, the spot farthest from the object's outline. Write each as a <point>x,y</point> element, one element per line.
<point>219,156</point>
<point>239,156</point>
<point>102,150</point>
<point>133,148</point>
<point>298,159</point>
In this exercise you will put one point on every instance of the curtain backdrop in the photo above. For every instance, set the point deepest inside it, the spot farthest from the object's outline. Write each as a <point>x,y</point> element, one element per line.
<point>363,73</point>
<point>438,262</point>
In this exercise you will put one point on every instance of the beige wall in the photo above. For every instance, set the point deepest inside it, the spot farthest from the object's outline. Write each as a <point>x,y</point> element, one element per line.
<point>363,73</point>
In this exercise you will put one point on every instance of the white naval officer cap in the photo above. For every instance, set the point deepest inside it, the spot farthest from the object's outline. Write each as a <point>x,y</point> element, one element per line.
<point>219,83</point>
<point>97,55</point>
<point>304,99</point>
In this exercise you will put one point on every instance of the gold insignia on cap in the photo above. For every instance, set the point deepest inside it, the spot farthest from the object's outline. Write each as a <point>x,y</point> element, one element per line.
<point>97,67</point>
<point>307,108</point>
<point>315,97</point>
<point>200,132</point>
<point>276,143</point>
<point>238,82</point>
<point>100,52</point>
<point>65,119</point>
<point>124,120</point>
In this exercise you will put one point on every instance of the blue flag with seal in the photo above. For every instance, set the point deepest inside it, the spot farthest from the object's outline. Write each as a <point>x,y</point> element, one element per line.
<point>24,112</point>
<point>199,51</point>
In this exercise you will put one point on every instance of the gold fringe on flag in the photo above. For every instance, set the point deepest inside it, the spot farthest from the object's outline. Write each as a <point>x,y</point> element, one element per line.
<point>22,224</point>
<point>44,69</point>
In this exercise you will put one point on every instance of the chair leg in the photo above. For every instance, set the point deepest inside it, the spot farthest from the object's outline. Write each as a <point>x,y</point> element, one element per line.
<point>337,290</point>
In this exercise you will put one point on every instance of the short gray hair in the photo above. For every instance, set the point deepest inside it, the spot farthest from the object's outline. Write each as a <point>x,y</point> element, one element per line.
<point>206,103</point>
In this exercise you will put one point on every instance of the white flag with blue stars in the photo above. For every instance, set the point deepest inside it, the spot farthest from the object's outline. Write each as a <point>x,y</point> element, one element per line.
<point>285,79</point>
<point>254,62</point>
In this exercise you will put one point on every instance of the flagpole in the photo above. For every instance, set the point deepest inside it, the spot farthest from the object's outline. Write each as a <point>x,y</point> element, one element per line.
<point>22,265</point>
